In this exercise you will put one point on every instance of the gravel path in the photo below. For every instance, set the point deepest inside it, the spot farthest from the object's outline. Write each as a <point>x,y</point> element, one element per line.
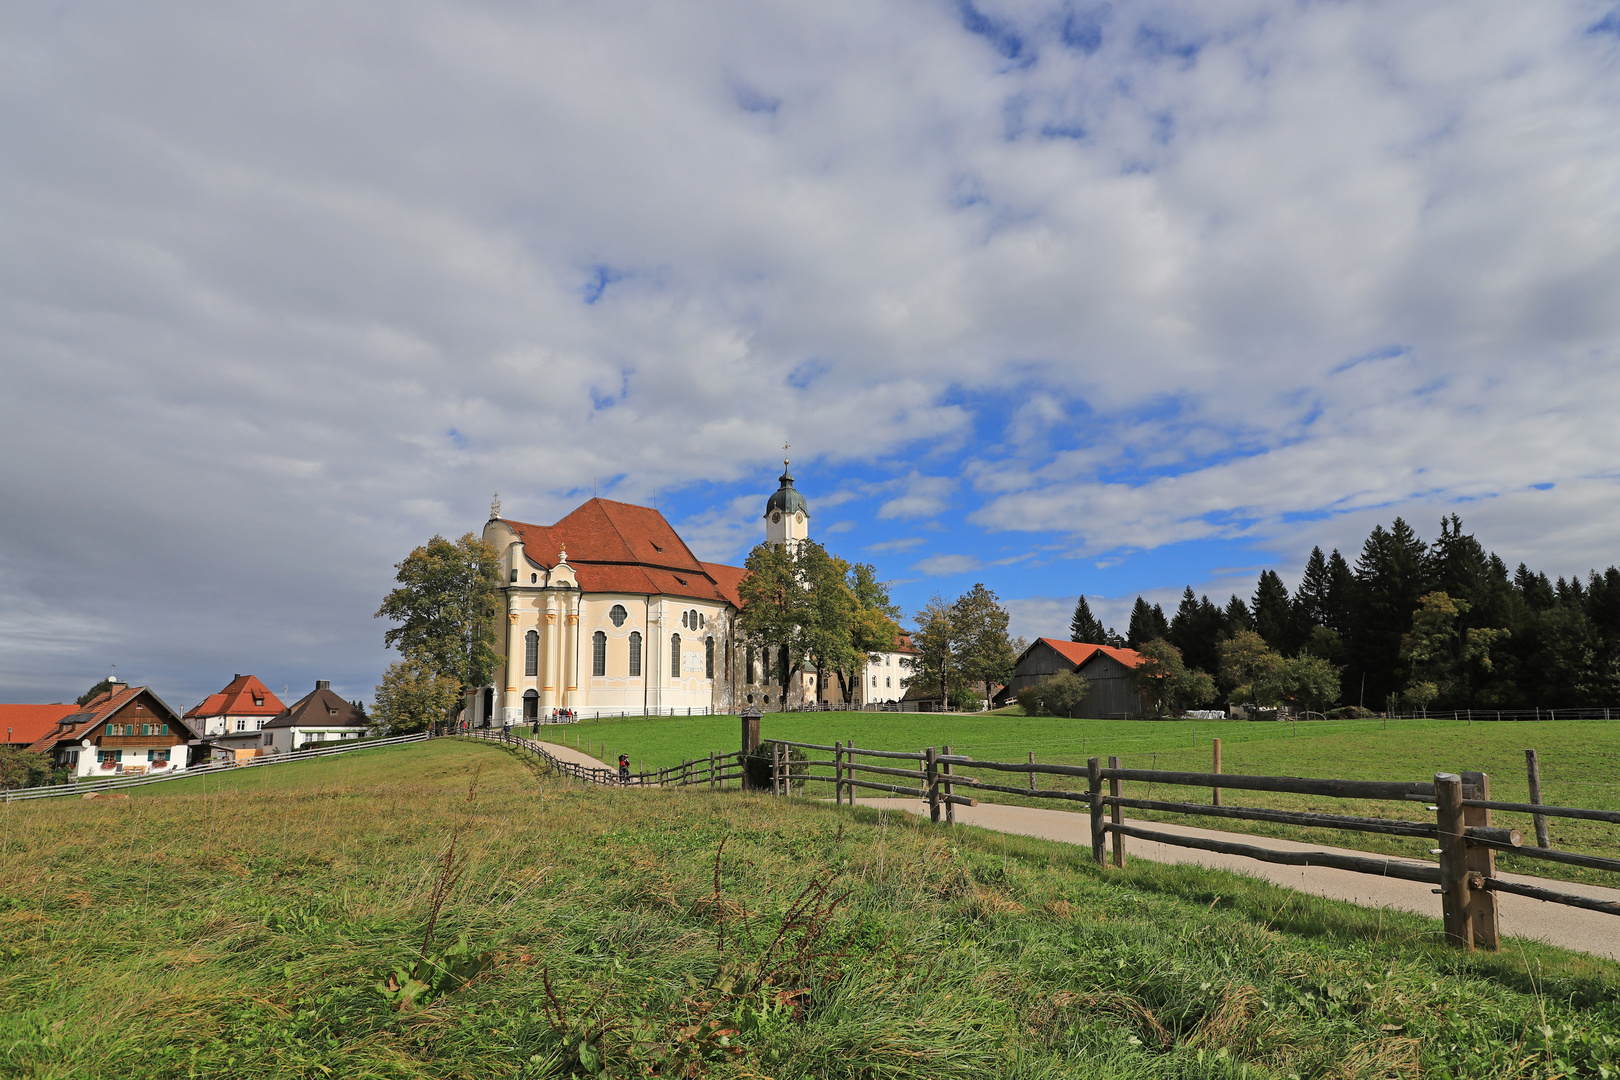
<point>1572,928</point>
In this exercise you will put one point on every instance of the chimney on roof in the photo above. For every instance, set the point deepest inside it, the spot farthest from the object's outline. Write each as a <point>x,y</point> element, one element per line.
<point>323,684</point>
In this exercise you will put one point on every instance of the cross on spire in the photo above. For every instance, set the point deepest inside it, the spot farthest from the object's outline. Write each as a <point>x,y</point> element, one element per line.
<point>784,454</point>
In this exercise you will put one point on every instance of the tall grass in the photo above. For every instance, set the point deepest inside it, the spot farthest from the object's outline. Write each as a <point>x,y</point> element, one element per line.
<point>250,933</point>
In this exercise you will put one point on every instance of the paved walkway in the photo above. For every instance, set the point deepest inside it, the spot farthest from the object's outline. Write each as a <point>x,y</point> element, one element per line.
<point>578,757</point>
<point>1571,928</point>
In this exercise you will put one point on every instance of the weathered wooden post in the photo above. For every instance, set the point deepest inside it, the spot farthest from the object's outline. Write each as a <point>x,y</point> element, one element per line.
<point>950,790</point>
<point>1032,771</point>
<point>1453,849</point>
<point>1116,815</point>
<point>1533,769</point>
<point>750,742</point>
<point>1481,912</point>
<point>838,772</point>
<point>931,782</point>
<point>1094,776</point>
<point>1217,771</point>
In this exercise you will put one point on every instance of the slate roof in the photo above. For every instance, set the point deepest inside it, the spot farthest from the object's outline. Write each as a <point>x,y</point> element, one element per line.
<point>319,708</point>
<point>28,722</point>
<point>237,700</point>
<point>620,547</point>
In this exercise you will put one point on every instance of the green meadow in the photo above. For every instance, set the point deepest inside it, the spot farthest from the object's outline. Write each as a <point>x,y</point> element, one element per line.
<point>1580,761</point>
<point>447,910</point>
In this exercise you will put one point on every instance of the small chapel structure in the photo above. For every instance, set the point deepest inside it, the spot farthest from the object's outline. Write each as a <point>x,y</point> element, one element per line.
<point>608,612</point>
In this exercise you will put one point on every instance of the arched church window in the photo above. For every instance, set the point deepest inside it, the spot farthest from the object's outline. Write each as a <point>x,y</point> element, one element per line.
<point>618,615</point>
<point>599,653</point>
<point>683,620</point>
<point>748,666</point>
<point>531,653</point>
<point>702,622</point>
<point>533,578</point>
<point>635,655</point>
<point>708,658</point>
<point>674,656</point>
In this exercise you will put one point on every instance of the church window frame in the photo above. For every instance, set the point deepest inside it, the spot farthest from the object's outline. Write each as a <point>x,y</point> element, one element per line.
<point>531,653</point>
<point>708,658</point>
<point>748,667</point>
<point>674,656</point>
<point>684,614</point>
<point>599,654</point>
<point>635,654</point>
<point>617,615</point>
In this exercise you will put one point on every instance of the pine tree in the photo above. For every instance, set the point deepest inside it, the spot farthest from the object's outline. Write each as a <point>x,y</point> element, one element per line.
<point>1341,593</point>
<point>1147,624</point>
<point>1085,626</point>
<point>1236,618</point>
<point>1273,618</point>
<point>1311,598</point>
<point>1391,577</point>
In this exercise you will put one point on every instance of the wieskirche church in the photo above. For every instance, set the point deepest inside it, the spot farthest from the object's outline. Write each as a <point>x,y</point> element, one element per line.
<point>608,612</point>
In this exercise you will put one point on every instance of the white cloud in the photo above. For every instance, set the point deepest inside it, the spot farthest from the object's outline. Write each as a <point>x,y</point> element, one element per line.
<point>902,544</point>
<point>946,565</point>
<point>275,301</point>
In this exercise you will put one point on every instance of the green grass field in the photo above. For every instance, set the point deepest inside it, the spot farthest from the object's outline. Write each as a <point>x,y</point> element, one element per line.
<point>252,925</point>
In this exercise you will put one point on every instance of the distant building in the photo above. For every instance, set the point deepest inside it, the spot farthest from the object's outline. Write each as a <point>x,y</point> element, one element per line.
<point>1109,671</point>
<point>232,721</point>
<point>883,678</point>
<point>21,725</point>
<point>126,729</point>
<point>319,716</point>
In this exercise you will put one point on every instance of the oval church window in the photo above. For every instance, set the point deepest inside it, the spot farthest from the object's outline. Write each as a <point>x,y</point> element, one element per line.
<point>618,615</point>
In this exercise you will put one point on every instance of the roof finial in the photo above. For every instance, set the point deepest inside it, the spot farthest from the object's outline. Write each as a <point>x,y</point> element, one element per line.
<point>785,447</point>
<point>562,555</point>
<point>495,507</point>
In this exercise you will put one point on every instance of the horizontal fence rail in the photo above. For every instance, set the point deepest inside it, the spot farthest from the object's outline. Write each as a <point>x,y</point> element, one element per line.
<point>1465,839</point>
<point>97,785</point>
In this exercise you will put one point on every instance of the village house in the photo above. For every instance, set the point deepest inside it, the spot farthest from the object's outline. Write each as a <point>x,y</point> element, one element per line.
<point>125,730</point>
<point>883,678</point>
<point>317,717</point>
<point>232,721</point>
<point>1110,671</point>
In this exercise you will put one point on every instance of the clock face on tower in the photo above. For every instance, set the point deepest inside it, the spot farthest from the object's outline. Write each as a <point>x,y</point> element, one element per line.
<point>799,517</point>
<point>776,517</point>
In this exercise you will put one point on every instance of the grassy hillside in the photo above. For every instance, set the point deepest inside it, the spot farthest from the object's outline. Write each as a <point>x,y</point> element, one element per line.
<point>271,923</point>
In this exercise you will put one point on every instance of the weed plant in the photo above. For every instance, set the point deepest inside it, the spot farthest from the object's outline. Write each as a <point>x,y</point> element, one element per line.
<point>249,926</point>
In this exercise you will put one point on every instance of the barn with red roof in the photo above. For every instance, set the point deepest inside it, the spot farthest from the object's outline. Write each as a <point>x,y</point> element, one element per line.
<point>1109,670</point>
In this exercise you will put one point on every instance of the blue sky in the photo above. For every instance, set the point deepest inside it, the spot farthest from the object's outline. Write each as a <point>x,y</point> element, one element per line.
<point>1063,297</point>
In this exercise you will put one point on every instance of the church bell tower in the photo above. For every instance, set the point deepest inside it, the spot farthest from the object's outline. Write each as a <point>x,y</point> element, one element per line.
<point>787,515</point>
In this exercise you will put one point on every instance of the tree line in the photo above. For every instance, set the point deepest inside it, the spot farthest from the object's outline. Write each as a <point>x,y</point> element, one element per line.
<point>1411,623</point>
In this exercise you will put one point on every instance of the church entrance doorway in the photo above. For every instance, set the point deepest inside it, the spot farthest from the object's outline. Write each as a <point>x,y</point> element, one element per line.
<point>531,705</point>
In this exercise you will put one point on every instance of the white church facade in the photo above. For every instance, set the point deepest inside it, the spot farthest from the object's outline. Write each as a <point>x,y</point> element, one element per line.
<point>608,612</point>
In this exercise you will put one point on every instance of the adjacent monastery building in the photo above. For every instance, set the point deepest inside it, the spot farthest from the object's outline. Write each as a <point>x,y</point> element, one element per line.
<point>608,611</point>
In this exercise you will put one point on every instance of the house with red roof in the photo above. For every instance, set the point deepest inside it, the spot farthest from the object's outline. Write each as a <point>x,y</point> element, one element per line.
<point>232,720</point>
<point>609,611</point>
<point>1109,670</point>
<point>125,729</point>
<point>883,678</point>
<point>21,725</point>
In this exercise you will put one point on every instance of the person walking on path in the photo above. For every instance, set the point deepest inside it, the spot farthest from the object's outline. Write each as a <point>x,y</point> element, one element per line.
<point>624,769</point>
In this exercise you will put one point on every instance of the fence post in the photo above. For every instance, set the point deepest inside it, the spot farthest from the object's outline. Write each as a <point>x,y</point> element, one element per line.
<point>1481,913</point>
<point>711,770</point>
<point>1116,814</point>
<point>931,783</point>
<point>950,790</point>
<point>1533,768</point>
<point>1453,859</point>
<point>1032,772</point>
<point>1094,776</point>
<point>1216,770</point>
<point>838,772</point>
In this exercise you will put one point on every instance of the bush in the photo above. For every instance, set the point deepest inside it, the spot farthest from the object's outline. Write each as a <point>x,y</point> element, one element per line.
<point>1350,712</point>
<point>1061,695</point>
<point>20,768</point>
<point>965,699</point>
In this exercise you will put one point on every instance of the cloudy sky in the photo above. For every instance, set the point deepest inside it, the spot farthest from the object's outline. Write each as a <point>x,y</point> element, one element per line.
<point>1061,297</point>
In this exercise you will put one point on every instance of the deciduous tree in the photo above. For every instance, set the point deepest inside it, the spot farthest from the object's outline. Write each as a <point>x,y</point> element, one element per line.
<point>414,695</point>
<point>447,604</point>
<point>985,654</point>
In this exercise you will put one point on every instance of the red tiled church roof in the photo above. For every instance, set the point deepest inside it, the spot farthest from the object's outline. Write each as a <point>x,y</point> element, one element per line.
<point>618,547</point>
<point>237,700</point>
<point>27,723</point>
